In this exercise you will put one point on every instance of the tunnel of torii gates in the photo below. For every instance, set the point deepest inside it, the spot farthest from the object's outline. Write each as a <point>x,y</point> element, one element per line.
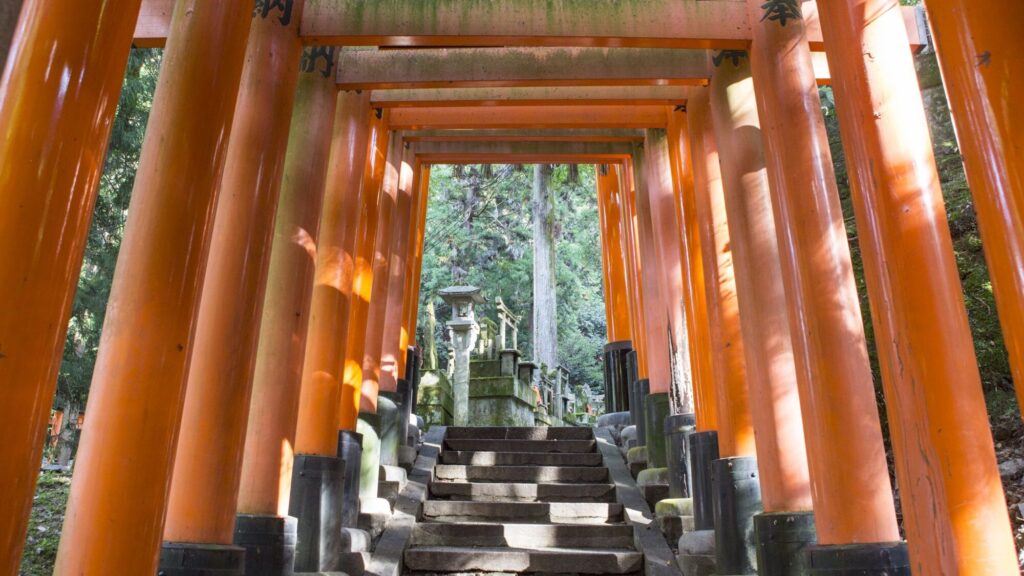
<point>723,240</point>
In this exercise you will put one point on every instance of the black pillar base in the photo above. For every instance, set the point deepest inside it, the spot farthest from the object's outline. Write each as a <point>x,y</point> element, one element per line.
<point>678,429</point>
<point>316,500</point>
<point>269,543</point>
<point>782,539</point>
<point>737,499</point>
<point>404,411</point>
<point>350,450</point>
<point>616,375</point>
<point>884,559</point>
<point>703,451</point>
<point>641,390</point>
<point>632,375</point>
<point>188,559</point>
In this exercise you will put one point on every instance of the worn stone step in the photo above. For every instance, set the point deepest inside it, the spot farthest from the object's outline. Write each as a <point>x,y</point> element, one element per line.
<point>523,535</point>
<point>543,560</point>
<point>520,433</point>
<point>563,446</point>
<point>520,458</point>
<point>523,492</point>
<point>565,474</point>
<point>519,512</point>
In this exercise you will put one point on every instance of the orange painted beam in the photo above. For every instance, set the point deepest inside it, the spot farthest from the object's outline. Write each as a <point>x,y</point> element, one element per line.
<point>953,504</point>
<point>361,69</point>
<point>516,149</point>
<point>529,117</point>
<point>51,159</point>
<point>978,45</point>
<point>208,464</point>
<point>569,135</point>
<point>273,417</point>
<point>610,212</point>
<point>735,427</point>
<point>124,463</point>
<point>722,24</point>
<point>532,96</point>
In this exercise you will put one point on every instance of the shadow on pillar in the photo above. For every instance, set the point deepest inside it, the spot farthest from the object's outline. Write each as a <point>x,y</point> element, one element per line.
<point>616,375</point>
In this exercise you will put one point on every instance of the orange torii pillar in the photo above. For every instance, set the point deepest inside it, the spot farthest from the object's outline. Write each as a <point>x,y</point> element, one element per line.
<point>953,504</point>
<point>734,436</point>
<point>356,401</point>
<point>678,399</point>
<point>693,272</point>
<point>124,465</point>
<point>200,520</point>
<point>616,297</point>
<point>636,360</point>
<point>413,359</point>
<point>781,463</point>
<point>979,49</point>
<point>51,157</point>
<point>851,491</point>
<point>655,312</point>
<point>392,351</point>
<point>319,475</point>
<point>264,526</point>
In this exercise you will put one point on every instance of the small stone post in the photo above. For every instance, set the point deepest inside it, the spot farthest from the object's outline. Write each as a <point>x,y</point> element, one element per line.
<point>463,331</point>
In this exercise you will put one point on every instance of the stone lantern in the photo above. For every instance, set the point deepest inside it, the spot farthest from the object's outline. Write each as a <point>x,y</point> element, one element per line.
<point>463,332</point>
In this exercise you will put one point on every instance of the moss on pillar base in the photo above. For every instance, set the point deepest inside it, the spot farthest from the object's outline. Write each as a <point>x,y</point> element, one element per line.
<point>657,409</point>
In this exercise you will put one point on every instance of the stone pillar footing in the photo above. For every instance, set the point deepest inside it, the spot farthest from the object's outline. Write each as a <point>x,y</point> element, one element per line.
<point>882,559</point>
<point>269,543</point>
<point>350,450</point>
<point>317,500</point>
<point>656,410</point>
<point>737,499</point>
<point>369,468</point>
<point>782,539</point>
<point>703,451</point>
<point>697,553</point>
<point>641,390</point>
<point>390,435</point>
<point>189,559</point>
<point>616,375</point>
<point>678,429</point>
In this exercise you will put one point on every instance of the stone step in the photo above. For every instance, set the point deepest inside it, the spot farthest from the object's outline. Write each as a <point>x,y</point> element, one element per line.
<point>519,512</point>
<point>523,560</point>
<point>538,474</point>
<point>563,446</point>
<point>523,535</point>
<point>519,433</point>
<point>523,492</point>
<point>520,458</point>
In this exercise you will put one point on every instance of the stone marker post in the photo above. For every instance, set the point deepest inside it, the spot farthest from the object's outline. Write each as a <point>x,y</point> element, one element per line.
<point>463,331</point>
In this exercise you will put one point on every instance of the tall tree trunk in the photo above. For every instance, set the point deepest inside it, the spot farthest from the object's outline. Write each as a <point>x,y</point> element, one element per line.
<point>67,441</point>
<point>545,327</point>
<point>431,344</point>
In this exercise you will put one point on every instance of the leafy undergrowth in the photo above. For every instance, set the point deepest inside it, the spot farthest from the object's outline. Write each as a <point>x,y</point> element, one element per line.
<point>45,524</point>
<point>1008,432</point>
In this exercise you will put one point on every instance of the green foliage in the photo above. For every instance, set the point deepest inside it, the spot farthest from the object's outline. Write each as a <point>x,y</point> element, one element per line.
<point>45,524</point>
<point>479,231</point>
<point>107,227</point>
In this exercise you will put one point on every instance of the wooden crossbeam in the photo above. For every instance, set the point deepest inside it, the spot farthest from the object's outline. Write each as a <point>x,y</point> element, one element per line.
<point>522,152</point>
<point>566,135</point>
<point>361,69</point>
<point>719,24</point>
<point>531,96</point>
<point>529,117</point>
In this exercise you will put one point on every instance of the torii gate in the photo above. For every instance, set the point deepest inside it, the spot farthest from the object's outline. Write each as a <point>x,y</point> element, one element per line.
<point>758,236</point>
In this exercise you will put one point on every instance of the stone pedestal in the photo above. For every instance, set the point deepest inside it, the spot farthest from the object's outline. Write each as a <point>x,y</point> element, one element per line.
<point>678,429</point>
<point>737,499</point>
<point>369,464</point>
<point>350,450</point>
<point>187,559</point>
<point>317,501</point>
<point>703,451</point>
<point>616,375</point>
<point>269,543</point>
<point>388,416</point>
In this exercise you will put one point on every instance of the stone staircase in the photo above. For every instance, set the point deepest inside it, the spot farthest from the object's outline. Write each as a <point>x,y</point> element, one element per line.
<point>524,501</point>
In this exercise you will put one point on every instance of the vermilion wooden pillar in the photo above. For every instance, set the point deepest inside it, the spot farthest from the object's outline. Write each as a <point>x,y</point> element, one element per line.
<point>843,434</point>
<point>273,415</point>
<point>634,268</point>
<point>735,428</point>
<point>693,272</point>
<point>655,309</point>
<point>768,352</point>
<point>979,49</point>
<point>414,271</point>
<point>55,130</point>
<point>115,513</point>
<point>953,505</point>
<point>610,212</point>
<point>204,488</point>
<point>317,431</point>
<point>392,351</point>
<point>352,398</point>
